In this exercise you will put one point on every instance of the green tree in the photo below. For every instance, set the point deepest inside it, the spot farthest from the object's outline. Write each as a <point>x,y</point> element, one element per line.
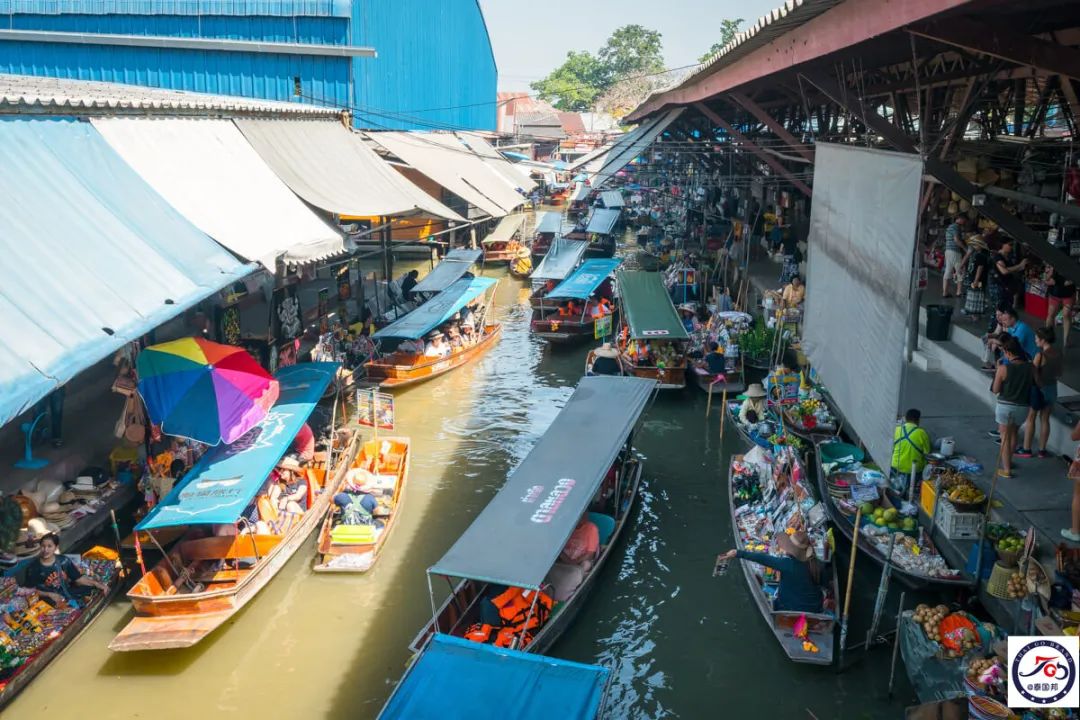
<point>631,50</point>
<point>728,30</point>
<point>574,85</point>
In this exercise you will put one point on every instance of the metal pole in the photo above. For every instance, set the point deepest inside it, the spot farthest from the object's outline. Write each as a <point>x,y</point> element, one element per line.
<point>896,642</point>
<point>883,591</point>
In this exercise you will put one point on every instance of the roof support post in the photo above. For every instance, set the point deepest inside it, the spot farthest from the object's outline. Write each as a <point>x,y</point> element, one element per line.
<point>762,155</point>
<point>948,176</point>
<point>779,130</point>
<point>1003,43</point>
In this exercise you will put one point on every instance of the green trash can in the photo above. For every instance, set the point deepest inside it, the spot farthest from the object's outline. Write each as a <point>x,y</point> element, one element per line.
<point>938,319</point>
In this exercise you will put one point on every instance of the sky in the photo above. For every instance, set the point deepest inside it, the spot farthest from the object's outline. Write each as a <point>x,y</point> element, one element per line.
<point>531,37</point>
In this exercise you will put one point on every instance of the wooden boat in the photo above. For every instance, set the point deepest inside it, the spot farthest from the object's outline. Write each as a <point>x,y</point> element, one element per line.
<point>612,407</point>
<point>652,338</point>
<point>388,460</point>
<point>734,382</point>
<point>845,522</point>
<point>549,225</point>
<point>502,252</point>
<point>521,267</point>
<point>399,369</point>
<point>551,326</point>
<point>583,287</point>
<point>23,675</point>
<point>819,433</point>
<point>601,246</point>
<point>783,471</point>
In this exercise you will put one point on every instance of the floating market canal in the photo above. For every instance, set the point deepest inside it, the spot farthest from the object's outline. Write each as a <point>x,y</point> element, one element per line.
<point>679,642</point>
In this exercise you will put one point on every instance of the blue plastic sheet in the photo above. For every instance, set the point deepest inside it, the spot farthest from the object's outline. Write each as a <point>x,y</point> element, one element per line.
<point>585,279</point>
<point>437,310</point>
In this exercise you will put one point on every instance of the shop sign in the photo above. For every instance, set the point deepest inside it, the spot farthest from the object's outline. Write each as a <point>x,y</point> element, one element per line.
<point>602,327</point>
<point>784,389</point>
<point>374,409</point>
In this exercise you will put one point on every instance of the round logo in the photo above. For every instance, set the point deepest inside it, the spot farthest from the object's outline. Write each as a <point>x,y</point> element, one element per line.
<point>1043,672</point>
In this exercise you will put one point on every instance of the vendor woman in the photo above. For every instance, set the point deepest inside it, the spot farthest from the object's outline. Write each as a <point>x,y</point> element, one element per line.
<point>55,576</point>
<point>800,573</point>
<point>752,410</point>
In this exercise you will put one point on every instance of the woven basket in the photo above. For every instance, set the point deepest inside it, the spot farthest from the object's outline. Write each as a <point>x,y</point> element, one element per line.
<point>998,584</point>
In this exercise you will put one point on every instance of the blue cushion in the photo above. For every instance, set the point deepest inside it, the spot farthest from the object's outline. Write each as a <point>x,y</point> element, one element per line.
<point>605,524</point>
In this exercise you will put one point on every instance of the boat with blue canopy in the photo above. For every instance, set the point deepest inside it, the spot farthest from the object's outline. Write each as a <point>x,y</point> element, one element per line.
<point>238,534</point>
<point>549,226</point>
<point>458,325</point>
<point>483,677</point>
<point>561,259</point>
<point>572,308</point>
<point>449,270</point>
<point>533,554</point>
<point>601,228</point>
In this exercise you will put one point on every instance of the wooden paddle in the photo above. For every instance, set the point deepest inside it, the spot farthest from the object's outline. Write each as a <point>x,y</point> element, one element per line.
<point>847,592</point>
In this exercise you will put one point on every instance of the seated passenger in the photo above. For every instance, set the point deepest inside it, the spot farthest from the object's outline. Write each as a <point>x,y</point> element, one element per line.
<point>714,360</point>
<point>304,444</point>
<point>435,348</point>
<point>411,347</point>
<point>753,408</point>
<point>607,361</point>
<point>293,494</point>
<point>605,306</point>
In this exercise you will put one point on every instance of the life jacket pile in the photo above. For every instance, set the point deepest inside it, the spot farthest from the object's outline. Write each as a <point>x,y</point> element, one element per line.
<point>513,605</point>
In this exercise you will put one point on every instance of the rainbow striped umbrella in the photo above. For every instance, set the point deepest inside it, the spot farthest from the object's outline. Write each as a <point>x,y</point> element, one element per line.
<point>203,390</point>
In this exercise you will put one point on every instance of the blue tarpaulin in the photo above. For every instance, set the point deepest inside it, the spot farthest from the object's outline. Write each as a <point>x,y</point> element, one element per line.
<point>585,279</point>
<point>228,477</point>
<point>95,258</point>
<point>455,679</point>
<point>437,310</point>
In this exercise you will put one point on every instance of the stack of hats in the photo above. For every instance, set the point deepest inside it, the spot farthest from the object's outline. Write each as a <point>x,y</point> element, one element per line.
<point>26,545</point>
<point>57,515</point>
<point>84,488</point>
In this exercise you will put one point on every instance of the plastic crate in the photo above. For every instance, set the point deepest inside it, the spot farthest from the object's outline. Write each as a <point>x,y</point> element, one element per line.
<point>958,525</point>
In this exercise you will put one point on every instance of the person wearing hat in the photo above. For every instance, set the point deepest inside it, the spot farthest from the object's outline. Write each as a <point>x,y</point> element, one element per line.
<point>753,408</point>
<point>976,270</point>
<point>436,348</point>
<point>689,317</point>
<point>607,360</point>
<point>800,573</point>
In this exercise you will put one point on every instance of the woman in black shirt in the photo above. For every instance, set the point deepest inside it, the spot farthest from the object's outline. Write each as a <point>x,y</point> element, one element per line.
<point>55,576</point>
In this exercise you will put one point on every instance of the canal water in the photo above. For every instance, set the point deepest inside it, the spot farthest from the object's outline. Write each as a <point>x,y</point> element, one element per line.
<point>679,642</point>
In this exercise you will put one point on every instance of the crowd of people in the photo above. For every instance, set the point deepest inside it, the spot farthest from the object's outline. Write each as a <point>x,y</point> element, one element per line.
<point>463,330</point>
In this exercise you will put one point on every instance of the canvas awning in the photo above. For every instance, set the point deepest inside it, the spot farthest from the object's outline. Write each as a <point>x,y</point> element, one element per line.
<point>612,199</point>
<point>584,281</point>
<point>449,270</point>
<point>444,159</point>
<point>561,258</point>
<point>647,307</point>
<point>332,168</point>
<point>227,478</point>
<point>210,173</point>
<point>523,686</point>
<point>518,537</point>
<point>515,176</point>
<point>506,229</point>
<point>602,221</point>
<point>581,191</point>
<point>95,257</point>
<point>437,310</point>
<point>633,144</point>
<point>549,222</point>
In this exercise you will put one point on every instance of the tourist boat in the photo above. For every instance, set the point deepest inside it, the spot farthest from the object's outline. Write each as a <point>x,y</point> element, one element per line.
<point>14,680</point>
<point>600,231</point>
<point>450,269</point>
<point>611,200</point>
<point>835,491</point>
<point>205,579</point>
<point>561,259</point>
<point>387,459</point>
<point>580,288</point>
<point>579,200</point>
<point>584,468</point>
<point>549,225</point>
<point>783,492</point>
<point>503,245</point>
<point>649,322</point>
<point>396,366</point>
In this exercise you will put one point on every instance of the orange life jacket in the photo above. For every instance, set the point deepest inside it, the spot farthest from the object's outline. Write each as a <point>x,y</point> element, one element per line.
<point>479,633</point>
<point>507,636</point>
<point>514,604</point>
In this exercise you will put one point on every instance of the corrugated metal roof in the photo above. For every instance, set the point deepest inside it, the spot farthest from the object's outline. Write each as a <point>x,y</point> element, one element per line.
<point>263,8</point>
<point>27,93</point>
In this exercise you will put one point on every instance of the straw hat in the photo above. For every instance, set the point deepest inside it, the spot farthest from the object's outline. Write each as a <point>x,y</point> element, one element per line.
<point>606,351</point>
<point>755,391</point>
<point>976,241</point>
<point>687,307</point>
<point>289,463</point>
<point>38,528</point>
<point>797,545</point>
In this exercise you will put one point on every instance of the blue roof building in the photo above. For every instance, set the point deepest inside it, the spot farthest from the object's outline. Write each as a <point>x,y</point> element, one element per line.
<point>399,64</point>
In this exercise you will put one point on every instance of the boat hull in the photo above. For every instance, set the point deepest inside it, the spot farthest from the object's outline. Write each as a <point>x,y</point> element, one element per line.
<point>703,381</point>
<point>389,375</point>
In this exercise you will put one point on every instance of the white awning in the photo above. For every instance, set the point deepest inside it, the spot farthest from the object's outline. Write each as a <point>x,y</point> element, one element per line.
<point>562,257</point>
<point>505,229</point>
<point>516,176</point>
<point>633,144</point>
<point>443,158</point>
<point>549,222</point>
<point>207,170</point>
<point>612,199</point>
<point>332,168</point>
<point>581,191</point>
<point>602,221</point>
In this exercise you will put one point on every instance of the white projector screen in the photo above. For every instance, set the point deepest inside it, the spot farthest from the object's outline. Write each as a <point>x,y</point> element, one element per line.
<point>862,239</point>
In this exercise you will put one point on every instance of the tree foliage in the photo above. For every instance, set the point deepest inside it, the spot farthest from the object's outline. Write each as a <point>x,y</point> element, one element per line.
<point>632,50</point>
<point>574,85</point>
<point>728,30</point>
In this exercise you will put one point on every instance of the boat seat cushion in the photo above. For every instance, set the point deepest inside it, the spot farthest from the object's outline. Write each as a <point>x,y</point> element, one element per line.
<point>605,524</point>
<point>564,580</point>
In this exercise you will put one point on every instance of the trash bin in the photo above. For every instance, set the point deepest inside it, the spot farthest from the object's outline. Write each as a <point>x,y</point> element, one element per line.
<point>938,318</point>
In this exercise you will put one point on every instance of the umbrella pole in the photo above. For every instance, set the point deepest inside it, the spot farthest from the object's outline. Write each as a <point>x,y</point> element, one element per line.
<point>847,592</point>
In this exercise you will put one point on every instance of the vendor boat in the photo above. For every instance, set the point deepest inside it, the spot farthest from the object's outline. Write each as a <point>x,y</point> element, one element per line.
<point>205,579</point>
<point>502,245</point>
<point>14,680</point>
<point>522,267</point>
<point>579,480</point>
<point>812,431</point>
<point>355,548</point>
<point>581,291</point>
<point>733,381</point>
<point>561,259</point>
<point>402,365</point>
<point>756,518</point>
<point>926,567</point>
<point>750,433</point>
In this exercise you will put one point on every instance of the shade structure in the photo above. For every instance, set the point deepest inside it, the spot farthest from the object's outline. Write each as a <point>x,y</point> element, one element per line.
<point>97,257</point>
<point>584,281</point>
<point>612,199</point>
<point>647,307</point>
<point>633,144</point>
<point>515,176</point>
<point>443,158</point>
<point>222,484</point>
<point>603,220</point>
<point>549,222</point>
<point>449,270</point>
<point>505,230</point>
<point>437,310</point>
<point>481,677</point>
<point>517,538</point>
<point>332,168</point>
<point>561,258</point>
<point>594,154</point>
<point>203,390</point>
<point>209,172</point>
<point>580,192</point>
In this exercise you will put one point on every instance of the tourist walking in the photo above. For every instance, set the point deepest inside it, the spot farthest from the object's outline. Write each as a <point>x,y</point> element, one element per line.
<point>1060,295</point>
<point>1004,277</point>
<point>954,254</point>
<point>1047,367</point>
<point>976,272</point>
<point>1013,382</point>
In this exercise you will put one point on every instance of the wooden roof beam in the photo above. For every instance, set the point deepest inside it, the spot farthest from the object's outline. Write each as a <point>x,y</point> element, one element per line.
<point>1003,43</point>
<point>779,130</point>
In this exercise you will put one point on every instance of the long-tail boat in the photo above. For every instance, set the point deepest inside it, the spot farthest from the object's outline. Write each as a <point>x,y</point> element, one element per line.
<point>561,259</point>
<point>601,232</point>
<point>450,269</point>
<point>402,361</point>
<point>569,312</point>
<point>208,576</point>
<point>549,225</point>
<point>578,482</point>
<point>652,338</point>
<point>503,245</point>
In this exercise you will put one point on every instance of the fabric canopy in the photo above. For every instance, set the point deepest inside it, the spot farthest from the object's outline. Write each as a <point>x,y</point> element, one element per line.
<point>515,176</point>
<point>647,307</point>
<point>227,478</point>
<point>209,172</point>
<point>480,677</point>
<point>444,159</point>
<point>581,191</point>
<point>437,310</point>
<point>95,257</point>
<point>633,144</point>
<point>585,279</point>
<point>602,221</point>
<point>612,199</point>
<point>332,168</point>
<point>549,222</point>
<point>506,229</point>
<point>562,257</point>
<point>517,538</point>
<point>449,270</point>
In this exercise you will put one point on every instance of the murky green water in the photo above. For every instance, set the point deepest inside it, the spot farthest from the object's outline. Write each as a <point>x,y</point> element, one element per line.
<point>680,643</point>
